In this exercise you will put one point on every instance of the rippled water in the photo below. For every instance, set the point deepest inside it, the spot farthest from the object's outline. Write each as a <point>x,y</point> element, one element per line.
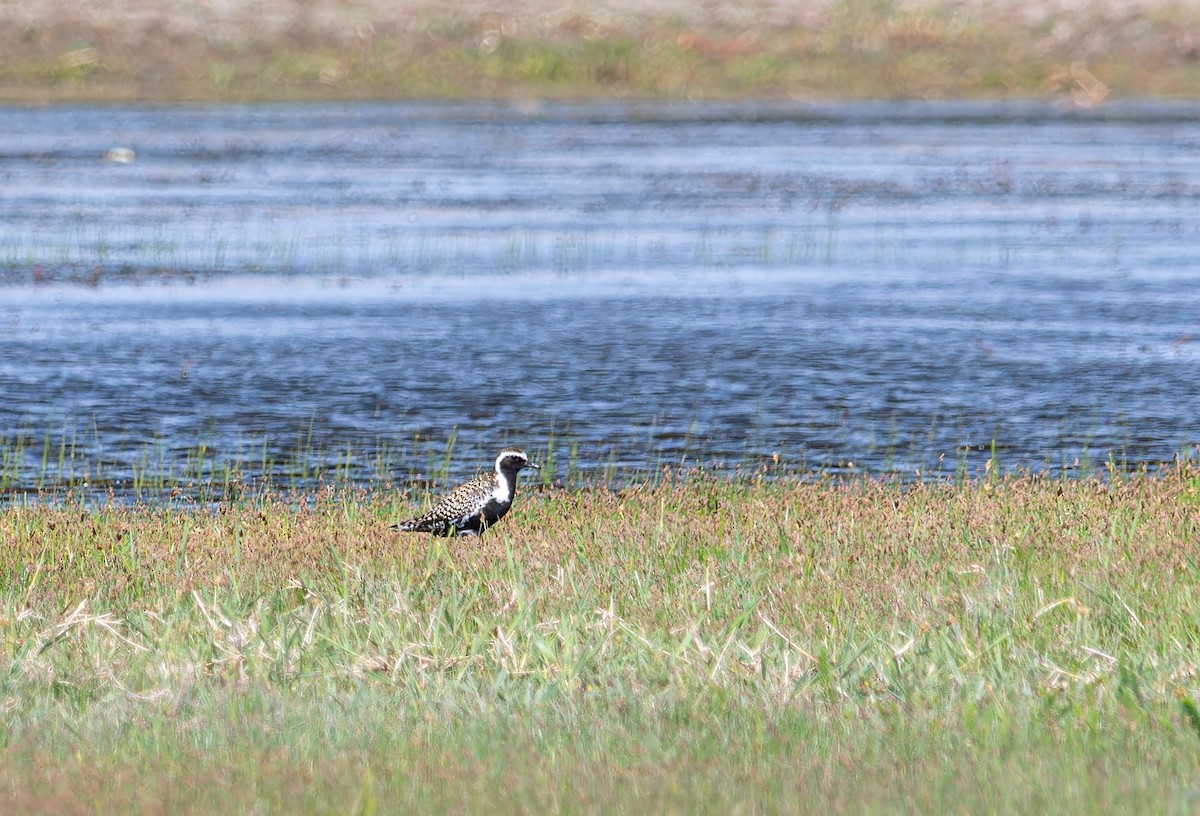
<point>616,287</point>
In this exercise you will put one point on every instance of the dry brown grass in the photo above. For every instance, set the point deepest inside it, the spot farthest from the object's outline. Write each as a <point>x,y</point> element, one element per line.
<point>872,540</point>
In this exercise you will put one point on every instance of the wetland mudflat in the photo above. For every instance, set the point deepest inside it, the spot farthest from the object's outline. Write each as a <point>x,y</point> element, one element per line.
<point>893,285</point>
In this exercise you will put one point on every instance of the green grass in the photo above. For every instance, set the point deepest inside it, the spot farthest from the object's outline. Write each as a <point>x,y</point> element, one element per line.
<point>1017,644</point>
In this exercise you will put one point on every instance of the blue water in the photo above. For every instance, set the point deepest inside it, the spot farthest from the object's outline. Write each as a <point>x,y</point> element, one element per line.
<point>897,286</point>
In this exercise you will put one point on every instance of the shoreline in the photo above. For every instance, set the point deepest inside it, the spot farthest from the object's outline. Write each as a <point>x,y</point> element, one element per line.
<point>166,51</point>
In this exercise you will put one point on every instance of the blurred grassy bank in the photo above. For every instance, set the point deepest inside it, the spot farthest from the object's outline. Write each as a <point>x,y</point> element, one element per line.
<point>167,50</point>
<point>1011,645</point>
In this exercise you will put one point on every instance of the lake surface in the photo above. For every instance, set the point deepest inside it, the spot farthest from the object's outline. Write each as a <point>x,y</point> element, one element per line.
<point>617,288</point>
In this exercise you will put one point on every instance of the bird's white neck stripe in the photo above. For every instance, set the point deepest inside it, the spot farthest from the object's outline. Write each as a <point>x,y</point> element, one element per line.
<point>503,490</point>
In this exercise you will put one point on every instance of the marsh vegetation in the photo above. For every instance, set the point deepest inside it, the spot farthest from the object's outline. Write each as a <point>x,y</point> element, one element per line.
<point>1005,644</point>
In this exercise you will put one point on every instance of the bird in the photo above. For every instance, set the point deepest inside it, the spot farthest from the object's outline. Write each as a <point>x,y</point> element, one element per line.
<point>474,506</point>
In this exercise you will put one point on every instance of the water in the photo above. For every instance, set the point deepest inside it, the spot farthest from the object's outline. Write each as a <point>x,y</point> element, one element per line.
<point>618,288</point>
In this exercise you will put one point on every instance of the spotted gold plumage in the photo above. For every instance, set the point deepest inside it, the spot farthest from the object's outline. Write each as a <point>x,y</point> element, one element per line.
<point>473,506</point>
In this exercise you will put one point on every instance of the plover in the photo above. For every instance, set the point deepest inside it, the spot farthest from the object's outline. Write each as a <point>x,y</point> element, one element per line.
<point>472,507</point>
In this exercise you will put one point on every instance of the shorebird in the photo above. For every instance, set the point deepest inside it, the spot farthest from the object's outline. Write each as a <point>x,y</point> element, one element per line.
<point>473,506</point>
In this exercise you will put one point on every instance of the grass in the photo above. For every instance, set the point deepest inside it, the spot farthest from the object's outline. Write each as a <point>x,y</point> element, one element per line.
<point>60,52</point>
<point>1009,644</point>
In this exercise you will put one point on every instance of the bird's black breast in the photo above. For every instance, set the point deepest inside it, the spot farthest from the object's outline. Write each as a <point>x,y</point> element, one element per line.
<point>493,511</point>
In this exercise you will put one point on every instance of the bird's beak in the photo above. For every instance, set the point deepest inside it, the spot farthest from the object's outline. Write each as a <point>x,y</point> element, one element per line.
<point>535,467</point>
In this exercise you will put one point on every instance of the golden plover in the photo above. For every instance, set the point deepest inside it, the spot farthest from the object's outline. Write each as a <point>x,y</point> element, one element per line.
<point>473,506</point>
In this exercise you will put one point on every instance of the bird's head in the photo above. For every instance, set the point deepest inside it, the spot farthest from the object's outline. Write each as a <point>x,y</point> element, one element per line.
<point>512,460</point>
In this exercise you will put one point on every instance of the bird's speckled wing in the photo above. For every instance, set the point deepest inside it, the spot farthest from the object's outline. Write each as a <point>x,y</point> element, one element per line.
<point>460,509</point>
